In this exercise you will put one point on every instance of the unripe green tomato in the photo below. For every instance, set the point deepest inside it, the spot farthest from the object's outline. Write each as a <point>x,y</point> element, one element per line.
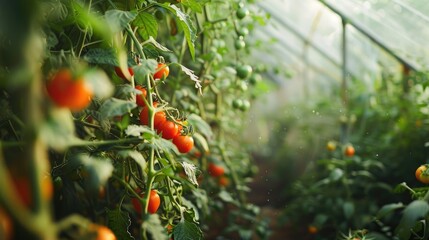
<point>239,43</point>
<point>244,71</point>
<point>243,86</point>
<point>242,13</point>
<point>58,183</point>
<point>245,106</point>
<point>255,78</point>
<point>243,31</point>
<point>237,103</point>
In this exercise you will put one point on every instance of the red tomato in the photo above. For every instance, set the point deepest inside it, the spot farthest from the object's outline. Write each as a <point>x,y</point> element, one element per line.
<point>6,225</point>
<point>139,97</point>
<point>68,92</point>
<point>121,74</point>
<point>183,143</point>
<point>162,71</point>
<point>159,118</point>
<point>154,203</point>
<point>103,232</point>
<point>23,189</point>
<point>349,151</point>
<point>215,170</point>
<point>169,130</point>
<point>223,181</point>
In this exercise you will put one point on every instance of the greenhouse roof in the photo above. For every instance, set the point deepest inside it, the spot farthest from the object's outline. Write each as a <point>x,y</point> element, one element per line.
<point>309,33</point>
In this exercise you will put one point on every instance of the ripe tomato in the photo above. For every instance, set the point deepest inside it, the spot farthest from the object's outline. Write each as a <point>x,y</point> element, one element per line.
<point>23,189</point>
<point>215,170</point>
<point>223,181</point>
<point>168,129</point>
<point>421,174</point>
<point>312,229</point>
<point>6,225</point>
<point>349,151</point>
<point>154,203</point>
<point>139,97</point>
<point>103,232</point>
<point>162,71</point>
<point>159,118</point>
<point>120,74</point>
<point>68,92</point>
<point>331,146</point>
<point>183,143</point>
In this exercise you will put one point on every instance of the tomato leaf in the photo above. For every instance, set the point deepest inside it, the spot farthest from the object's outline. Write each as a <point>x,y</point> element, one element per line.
<point>157,45</point>
<point>187,230</point>
<point>118,20</point>
<point>187,25</point>
<point>147,25</point>
<point>140,131</point>
<point>58,132</point>
<point>193,77</point>
<point>193,208</point>
<point>193,5</point>
<point>348,209</point>
<point>119,222</point>
<point>200,125</point>
<point>147,66</point>
<point>388,209</point>
<point>99,83</point>
<point>190,172</point>
<point>153,226</point>
<point>99,170</point>
<point>135,155</point>
<point>412,213</point>
<point>115,107</point>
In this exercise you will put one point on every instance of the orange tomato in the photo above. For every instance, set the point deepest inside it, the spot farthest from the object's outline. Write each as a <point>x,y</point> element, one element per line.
<point>349,151</point>
<point>68,92</point>
<point>312,229</point>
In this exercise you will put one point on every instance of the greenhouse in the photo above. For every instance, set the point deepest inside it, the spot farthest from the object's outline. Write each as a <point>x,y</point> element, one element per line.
<point>214,119</point>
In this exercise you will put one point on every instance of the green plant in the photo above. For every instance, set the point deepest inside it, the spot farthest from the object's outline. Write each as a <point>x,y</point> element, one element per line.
<point>115,140</point>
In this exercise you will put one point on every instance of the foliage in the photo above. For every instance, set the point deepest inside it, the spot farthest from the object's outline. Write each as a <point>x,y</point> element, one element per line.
<point>103,159</point>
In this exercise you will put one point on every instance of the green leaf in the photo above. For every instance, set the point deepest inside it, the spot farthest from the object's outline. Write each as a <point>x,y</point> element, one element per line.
<point>153,226</point>
<point>412,213</point>
<point>200,125</point>
<point>190,205</point>
<point>226,197</point>
<point>101,56</point>
<point>157,45</point>
<point>193,5</point>
<point>58,131</point>
<point>336,174</point>
<point>187,25</point>
<point>388,209</point>
<point>90,21</point>
<point>119,222</point>
<point>348,209</point>
<point>118,20</point>
<point>135,155</point>
<point>99,169</point>
<point>99,83</point>
<point>115,107</point>
<point>140,131</point>
<point>187,231</point>
<point>147,66</point>
<point>147,25</point>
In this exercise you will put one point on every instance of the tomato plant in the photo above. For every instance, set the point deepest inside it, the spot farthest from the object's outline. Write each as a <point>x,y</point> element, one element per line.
<point>103,137</point>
